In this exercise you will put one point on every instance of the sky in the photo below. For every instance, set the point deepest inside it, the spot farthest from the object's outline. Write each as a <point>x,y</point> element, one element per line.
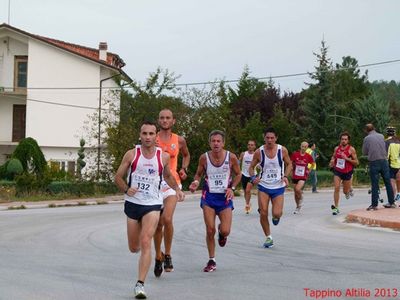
<point>208,40</point>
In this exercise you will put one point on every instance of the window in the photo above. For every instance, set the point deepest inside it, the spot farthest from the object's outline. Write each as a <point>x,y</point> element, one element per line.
<point>21,74</point>
<point>18,130</point>
<point>71,167</point>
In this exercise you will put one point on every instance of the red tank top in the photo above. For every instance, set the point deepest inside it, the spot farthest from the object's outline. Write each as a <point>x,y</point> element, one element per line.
<point>172,148</point>
<point>342,165</point>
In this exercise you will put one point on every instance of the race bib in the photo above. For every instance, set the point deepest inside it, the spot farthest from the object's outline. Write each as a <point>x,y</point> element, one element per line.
<point>300,171</point>
<point>340,162</point>
<point>218,183</point>
<point>144,184</point>
<point>271,175</point>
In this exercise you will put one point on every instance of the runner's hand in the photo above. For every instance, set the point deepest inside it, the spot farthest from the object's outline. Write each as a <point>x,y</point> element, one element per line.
<point>194,185</point>
<point>180,195</point>
<point>131,191</point>
<point>182,174</point>
<point>229,194</point>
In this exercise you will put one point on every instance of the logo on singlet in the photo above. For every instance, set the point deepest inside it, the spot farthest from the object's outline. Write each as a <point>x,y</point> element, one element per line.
<point>151,171</point>
<point>173,146</point>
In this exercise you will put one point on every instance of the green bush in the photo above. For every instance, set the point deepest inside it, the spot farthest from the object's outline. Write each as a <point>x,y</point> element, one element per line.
<point>73,188</point>
<point>14,167</point>
<point>106,188</point>
<point>31,156</point>
<point>28,183</point>
<point>3,171</point>
<point>325,178</point>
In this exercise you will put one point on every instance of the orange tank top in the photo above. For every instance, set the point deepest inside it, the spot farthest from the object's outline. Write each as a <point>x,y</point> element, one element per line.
<point>172,148</point>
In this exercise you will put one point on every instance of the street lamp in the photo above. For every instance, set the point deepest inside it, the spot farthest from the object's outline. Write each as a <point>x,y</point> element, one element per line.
<point>99,121</point>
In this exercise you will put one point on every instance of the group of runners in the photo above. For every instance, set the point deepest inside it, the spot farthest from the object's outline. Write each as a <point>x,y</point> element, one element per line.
<point>149,177</point>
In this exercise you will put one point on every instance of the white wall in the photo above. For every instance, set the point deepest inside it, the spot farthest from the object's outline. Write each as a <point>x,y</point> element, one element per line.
<point>49,67</point>
<point>10,46</point>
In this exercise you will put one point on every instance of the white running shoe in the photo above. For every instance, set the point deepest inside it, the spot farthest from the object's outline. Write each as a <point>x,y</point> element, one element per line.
<point>139,291</point>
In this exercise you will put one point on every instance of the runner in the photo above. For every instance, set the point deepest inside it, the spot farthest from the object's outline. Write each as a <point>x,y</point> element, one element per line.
<point>393,146</point>
<point>343,161</point>
<point>146,165</point>
<point>300,160</point>
<point>275,168</point>
<point>173,144</point>
<point>218,189</point>
<point>245,159</point>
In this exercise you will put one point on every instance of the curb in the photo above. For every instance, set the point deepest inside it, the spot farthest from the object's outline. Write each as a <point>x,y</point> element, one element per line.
<point>383,217</point>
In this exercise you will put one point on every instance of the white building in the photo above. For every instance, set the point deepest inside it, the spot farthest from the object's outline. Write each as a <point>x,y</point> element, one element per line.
<point>48,90</point>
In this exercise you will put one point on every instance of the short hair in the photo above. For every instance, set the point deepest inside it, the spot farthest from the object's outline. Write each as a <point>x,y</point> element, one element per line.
<point>311,143</point>
<point>369,127</point>
<point>216,132</point>
<point>271,130</point>
<point>149,122</point>
<point>167,109</point>
<point>345,133</point>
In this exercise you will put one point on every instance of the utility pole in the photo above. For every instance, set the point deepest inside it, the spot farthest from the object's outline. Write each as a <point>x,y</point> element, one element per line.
<point>9,11</point>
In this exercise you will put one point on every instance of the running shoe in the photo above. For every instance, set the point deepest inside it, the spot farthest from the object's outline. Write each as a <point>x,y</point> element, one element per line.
<point>388,205</point>
<point>335,210</point>
<point>221,239</point>
<point>275,221</point>
<point>297,210</point>
<point>211,266</point>
<point>372,207</point>
<point>269,243</point>
<point>168,267</point>
<point>158,266</point>
<point>351,193</point>
<point>397,197</point>
<point>139,291</point>
<point>247,209</point>
<point>347,196</point>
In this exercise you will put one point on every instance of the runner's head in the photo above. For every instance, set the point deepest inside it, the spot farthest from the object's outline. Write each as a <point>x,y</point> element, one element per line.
<point>251,145</point>
<point>303,147</point>
<point>166,119</point>
<point>344,138</point>
<point>216,139</point>
<point>270,136</point>
<point>148,133</point>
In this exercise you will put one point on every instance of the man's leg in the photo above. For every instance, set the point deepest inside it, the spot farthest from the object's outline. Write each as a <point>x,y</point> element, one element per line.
<point>247,196</point>
<point>263,202</point>
<point>209,220</point>
<point>149,224</point>
<point>385,172</point>
<point>277,206</point>
<point>374,176</point>
<point>167,220</point>
<point>133,231</point>
<point>225,218</point>
<point>336,192</point>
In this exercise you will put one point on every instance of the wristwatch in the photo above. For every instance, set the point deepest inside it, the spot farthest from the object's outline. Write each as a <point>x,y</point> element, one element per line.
<point>233,188</point>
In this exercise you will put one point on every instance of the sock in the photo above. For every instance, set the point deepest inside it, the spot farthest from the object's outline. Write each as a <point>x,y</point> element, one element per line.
<point>212,258</point>
<point>141,282</point>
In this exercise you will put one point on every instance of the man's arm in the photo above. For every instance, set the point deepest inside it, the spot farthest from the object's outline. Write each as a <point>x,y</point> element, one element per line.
<point>122,171</point>
<point>169,179</point>
<point>199,173</point>
<point>183,149</point>
<point>353,157</point>
<point>237,177</point>
<point>288,165</point>
<point>332,161</point>
<point>255,161</point>
<point>365,146</point>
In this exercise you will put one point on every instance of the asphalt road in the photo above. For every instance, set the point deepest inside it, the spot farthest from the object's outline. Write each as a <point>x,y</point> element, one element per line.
<point>81,253</point>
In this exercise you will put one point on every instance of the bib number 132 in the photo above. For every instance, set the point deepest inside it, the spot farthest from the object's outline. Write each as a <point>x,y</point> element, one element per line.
<point>143,186</point>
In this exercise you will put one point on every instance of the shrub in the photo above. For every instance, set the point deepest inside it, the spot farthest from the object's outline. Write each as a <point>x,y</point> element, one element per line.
<point>31,156</point>
<point>14,167</point>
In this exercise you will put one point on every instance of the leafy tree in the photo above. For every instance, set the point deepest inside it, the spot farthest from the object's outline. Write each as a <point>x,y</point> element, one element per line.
<point>81,156</point>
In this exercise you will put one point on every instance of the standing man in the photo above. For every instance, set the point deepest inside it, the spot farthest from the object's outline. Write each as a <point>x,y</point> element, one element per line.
<point>343,161</point>
<point>173,144</point>
<point>245,159</point>
<point>218,190</point>
<point>313,167</point>
<point>300,161</point>
<point>393,146</point>
<point>275,168</point>
<point>145,165</point>
<point>374,147</point>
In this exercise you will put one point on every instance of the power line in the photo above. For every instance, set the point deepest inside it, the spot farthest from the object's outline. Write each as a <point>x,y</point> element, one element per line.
<point>126,86</point>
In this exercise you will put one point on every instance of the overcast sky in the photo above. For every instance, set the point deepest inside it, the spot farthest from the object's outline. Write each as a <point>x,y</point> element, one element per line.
<point>205,40</point>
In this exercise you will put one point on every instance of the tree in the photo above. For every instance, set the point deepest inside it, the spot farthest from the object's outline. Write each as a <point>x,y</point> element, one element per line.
<point>81,156</point>
<point>31,156</point>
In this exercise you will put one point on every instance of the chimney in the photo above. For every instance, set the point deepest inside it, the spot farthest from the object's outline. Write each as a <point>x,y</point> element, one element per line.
<point>103,51</point>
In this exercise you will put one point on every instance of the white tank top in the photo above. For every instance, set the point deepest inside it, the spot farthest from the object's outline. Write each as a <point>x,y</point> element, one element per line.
<point>218,177</point>
<point>272,169</point>
<point>145,175</point>
<point>246,161</point>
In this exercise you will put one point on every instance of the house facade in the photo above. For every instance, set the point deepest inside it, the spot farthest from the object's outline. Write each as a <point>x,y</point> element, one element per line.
<point>49,90</point>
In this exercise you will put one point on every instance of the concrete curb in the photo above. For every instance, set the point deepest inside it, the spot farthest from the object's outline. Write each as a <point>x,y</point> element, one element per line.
<point>383,217</point>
